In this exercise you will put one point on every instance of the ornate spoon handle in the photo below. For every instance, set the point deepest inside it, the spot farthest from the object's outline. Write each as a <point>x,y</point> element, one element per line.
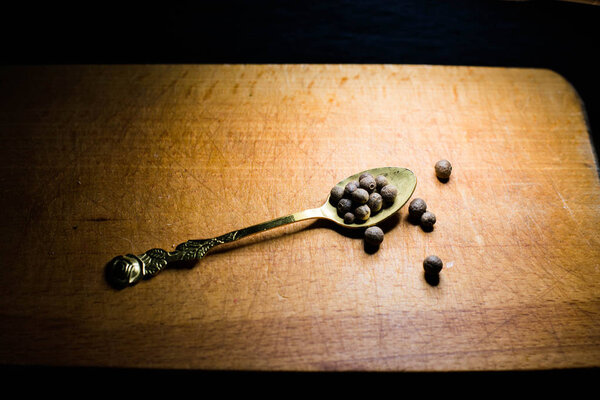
<point>129,269</point>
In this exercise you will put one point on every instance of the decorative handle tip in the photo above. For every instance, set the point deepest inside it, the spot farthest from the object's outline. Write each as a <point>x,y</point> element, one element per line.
<point>123,271</point>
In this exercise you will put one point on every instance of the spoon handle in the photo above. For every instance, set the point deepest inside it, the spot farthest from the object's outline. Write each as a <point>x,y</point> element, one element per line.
<point>129,269</point>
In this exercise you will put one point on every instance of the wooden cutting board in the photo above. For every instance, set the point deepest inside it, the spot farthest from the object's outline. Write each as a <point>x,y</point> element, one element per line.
<point>98,161</point>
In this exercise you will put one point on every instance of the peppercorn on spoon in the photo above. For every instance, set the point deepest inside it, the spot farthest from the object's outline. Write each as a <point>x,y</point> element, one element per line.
<point>127,270</point>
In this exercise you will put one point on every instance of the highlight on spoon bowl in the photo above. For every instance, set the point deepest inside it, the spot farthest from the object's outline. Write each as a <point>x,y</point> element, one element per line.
<point>404,180</point>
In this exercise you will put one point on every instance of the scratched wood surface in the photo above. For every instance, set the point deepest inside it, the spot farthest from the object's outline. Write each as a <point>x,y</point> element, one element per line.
<point>98,161</point>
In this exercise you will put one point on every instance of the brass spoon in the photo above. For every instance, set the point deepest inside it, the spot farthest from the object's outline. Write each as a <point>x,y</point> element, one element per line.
<point>129,269</point>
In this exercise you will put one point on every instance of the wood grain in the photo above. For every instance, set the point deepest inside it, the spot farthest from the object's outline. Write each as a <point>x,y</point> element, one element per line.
<point>99,161</point>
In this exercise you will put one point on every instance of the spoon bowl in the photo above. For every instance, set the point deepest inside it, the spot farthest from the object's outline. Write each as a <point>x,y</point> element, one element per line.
<point>403,179</point>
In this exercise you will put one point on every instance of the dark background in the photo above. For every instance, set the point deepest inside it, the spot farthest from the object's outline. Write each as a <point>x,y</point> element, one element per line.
<point>558,35</point>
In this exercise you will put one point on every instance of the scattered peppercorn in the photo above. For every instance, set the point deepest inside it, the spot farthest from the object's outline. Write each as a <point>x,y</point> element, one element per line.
<point>427,220</point>
<point>362,213</point>
<point>416,208</point>
<point>374,235</point>
<point>348,218</point>
<point>375,202</point>
<point>358,199</point>
<point>336,194</point>
<point>443,169</point>
<point>432,265</point>
<point>381,181</point>
<point>344,206</point>
<point>368,183</point>
<point>360,196</point>
<point>389,193</point>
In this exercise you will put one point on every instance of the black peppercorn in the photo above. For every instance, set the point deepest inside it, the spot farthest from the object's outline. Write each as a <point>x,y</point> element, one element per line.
<point>416,208</point>
<point>389,193</point>
<point>381,181</point>
<point>362,213</point>
<point>368,183</point>
<point>344,206</point>
<point>374,235</point>
<point>348,218</point>
<point>375,202</point>
<point>432,265</point>
<point>427,220</point>
<point>360,196</point>
<point>350,188</point>
<point>443,169</point>
<point>336,194</point>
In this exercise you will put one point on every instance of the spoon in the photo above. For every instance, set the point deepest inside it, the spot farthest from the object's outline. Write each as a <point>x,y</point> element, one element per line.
<point>127,270</point>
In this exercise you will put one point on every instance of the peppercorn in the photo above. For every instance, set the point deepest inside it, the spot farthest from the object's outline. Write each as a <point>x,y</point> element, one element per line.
<point>427,220</point>
<point>443,169</point>
<point>381,181</point>
<point>364,175</point>
<point>363,212</point>
<point>432,265</point>
<point>375,202</point>
<point>416,208</point>
<point>336,194</point>
<point>350,188</point>
<point>360,196</point>
<point>374,235</point>
<point>348,218</point>
<point>389,193</point>
<point>344,206</point>
<point>368,183</point>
